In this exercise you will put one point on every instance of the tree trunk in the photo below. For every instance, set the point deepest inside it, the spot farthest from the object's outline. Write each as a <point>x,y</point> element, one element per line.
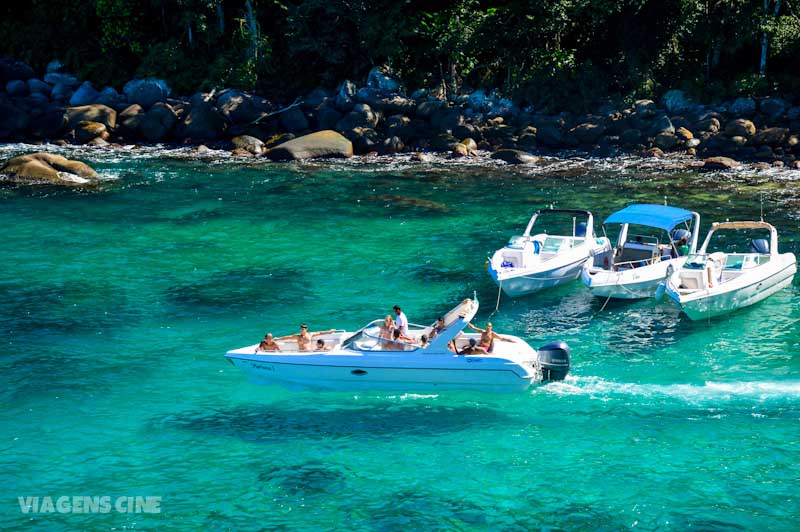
<point>221,18</point>
<point>253,27</point>
<point>762,67</point>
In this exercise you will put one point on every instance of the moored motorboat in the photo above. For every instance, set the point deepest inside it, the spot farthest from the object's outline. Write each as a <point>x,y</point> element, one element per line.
<point>529,263</point>
<point>642,260</point>
<point>715,283</point>
<point>363,360</point>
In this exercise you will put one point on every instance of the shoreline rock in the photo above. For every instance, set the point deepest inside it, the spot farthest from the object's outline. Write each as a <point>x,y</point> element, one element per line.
<point>380,117</point>
<point>48,168</point>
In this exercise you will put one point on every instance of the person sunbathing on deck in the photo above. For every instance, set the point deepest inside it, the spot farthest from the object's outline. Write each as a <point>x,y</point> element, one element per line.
<point>268,344</point>
<point>488,336</point>
<point>304,337</point>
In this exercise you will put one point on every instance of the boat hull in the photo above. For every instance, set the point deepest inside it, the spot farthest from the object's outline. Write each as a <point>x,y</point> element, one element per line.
<point>711,303</point>
<point>345,372</point>
<point>634,283</point>
<point>521,283</point>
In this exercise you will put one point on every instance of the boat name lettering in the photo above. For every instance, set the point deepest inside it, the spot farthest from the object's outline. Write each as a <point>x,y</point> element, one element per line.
<point>471,360</point>
<point>262,366</point>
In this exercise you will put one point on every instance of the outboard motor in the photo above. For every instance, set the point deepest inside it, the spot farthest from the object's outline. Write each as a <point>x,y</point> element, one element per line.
<point>555,360</point>
<point>760,245</point>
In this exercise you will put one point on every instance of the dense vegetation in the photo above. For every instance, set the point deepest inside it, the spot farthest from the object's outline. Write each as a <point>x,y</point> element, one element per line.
<point>564,53</point>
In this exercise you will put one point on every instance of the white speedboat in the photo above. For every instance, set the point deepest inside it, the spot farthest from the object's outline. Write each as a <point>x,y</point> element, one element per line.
<point>644,257</point>
<point>529,263</point>
<point>711,284</point>
<point>362,360</point>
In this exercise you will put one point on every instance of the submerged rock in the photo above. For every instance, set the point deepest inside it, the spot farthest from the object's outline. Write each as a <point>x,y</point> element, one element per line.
<point>47,168</point>
<point>514,156</point>
<point>315,145</point>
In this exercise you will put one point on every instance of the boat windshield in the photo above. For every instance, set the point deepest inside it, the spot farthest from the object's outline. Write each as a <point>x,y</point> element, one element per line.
<point>368,339</point>
<point>695,261</point>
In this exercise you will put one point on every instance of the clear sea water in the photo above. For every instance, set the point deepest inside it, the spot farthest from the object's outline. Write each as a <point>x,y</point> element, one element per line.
<point>117,305</point>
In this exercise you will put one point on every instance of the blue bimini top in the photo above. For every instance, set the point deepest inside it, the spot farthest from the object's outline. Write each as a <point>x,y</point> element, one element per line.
<point>660,216</point>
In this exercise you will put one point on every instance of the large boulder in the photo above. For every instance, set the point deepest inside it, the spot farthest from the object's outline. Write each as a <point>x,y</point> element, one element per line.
<point>381,78</point>
<point>327,117</point>
<point>588,133</point>
<point>326,143</point>
<point>514,156</point>
<point>202,121</point>
<point>86,132</point>
<point>676,102</point>
<point>47,168</point>
<point>428,108</point>
<point>662,124</point>
<point>772,136</point>
<point>129,119</point>
<point>13,69</point>
<point>773,107</point>
<point>92,113</point>
<point>720,163</point>
<point>61,93</point>
<point>84,95</point>
<point>38,86</point>
<point>743,107</point>
<point>362,115</point>
<point>50,124</point>
<point>293,120</point>
<point>242,108</point>
<point>158,122</point>
<point>17,88</point>
<point>146,92</point>
<point>550,135</point>
<point>56,78</point>
<point>346,95</point>
<point>388,103</point>
<point>249,144</point>
<point>110,97</point>
<point>12,119</point>
<point>740,127</point>
<point>710,124</point>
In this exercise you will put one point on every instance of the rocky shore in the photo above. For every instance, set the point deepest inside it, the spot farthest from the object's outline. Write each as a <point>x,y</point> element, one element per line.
<point>382,118</point>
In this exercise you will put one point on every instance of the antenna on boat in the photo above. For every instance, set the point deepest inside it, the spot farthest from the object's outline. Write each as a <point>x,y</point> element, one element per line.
<point>761,194</point>
<point>665,199</point>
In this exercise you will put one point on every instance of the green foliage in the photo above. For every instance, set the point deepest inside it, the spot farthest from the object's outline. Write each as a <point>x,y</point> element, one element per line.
<point>555,54</point>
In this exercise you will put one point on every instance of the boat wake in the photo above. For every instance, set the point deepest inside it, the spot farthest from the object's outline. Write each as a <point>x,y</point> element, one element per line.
<point>752,391</point>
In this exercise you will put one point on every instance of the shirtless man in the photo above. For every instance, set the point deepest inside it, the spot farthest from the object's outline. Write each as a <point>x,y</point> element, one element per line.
<point>488,336</point>
<point>268,344</point>
<point>439,327</point>
<point>304,337</point>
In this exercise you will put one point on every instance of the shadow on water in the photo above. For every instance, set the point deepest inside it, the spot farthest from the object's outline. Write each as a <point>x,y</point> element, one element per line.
<point>545,513</point>
<point>65,307</point>
<point>305,480</point>
<point>412,510</point>
<point>271,423</point>
<point>240,289</point>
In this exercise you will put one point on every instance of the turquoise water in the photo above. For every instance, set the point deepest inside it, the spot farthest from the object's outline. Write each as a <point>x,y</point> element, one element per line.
<point>117,305</point>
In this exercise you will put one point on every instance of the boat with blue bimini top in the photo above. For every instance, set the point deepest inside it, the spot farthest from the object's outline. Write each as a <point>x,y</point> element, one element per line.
<point>653,241</point>
<point>715,283</point>
<point>531,262</point>
<point>366,360</point>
